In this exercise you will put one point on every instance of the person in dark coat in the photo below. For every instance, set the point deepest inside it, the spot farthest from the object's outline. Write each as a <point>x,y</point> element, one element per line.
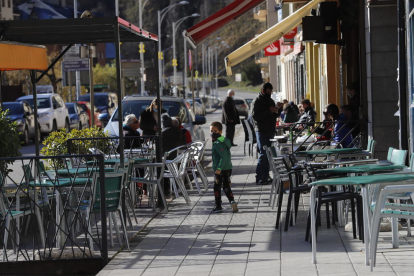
<point>131,124</point>
<point>290,114</point>
<point>309,114</point>
<point>172,137</point>
<point>149,118</point>
<point>341,129</point>
<point>230,116</point>
<point>264,114</point>
<point>295,107</point>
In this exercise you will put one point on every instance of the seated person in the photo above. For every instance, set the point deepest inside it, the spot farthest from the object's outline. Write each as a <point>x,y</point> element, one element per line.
<point>290,114</point>
<point>341,129</point>
<point>131,125</point>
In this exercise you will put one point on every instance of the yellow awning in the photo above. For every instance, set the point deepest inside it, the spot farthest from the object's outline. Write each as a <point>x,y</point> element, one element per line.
<point>268,37</point>
<point>16,56</point>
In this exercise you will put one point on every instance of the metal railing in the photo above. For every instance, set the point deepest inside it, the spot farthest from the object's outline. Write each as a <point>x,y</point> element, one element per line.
<point>42,205</point>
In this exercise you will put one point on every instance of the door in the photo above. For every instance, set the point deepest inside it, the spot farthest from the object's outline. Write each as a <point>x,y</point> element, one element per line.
<point>58,107</point>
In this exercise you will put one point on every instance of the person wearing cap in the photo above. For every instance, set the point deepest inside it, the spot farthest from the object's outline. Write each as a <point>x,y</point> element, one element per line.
<point>230,116</point>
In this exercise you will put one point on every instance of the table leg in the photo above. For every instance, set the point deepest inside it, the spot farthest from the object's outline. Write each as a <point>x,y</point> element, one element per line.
<point>313,222</point>
<point>366,216</point>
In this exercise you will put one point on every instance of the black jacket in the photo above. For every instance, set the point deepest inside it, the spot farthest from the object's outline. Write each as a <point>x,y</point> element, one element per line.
<point>148,122</point>
<point>131,142</point>
<point>309,115</point>
<point>264,121</point>
<point>172,137</point>
<point>229,113</point>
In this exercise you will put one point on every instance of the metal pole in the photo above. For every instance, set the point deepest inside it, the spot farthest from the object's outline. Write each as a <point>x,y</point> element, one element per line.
<point>185,68</point>
<point>117,8</point>
<point>203,49</point>
<point>118,85</point>
<point>36,115</point>
<point>141,55</point>
<point>1,99</point>
<point>174,57</point>
<point>159,150</point>
<point>196,67</point>
<point>91,88</point>
<point>402,75</point>
<point>77,73</point>
<point>216,75</point>
<point>160,52</point>
<point>104,233</point>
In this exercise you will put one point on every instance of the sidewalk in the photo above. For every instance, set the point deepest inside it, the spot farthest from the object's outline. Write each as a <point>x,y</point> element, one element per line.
<point>190,240</point>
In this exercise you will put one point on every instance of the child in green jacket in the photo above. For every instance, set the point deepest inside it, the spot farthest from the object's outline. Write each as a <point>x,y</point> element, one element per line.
<point>221,166</point>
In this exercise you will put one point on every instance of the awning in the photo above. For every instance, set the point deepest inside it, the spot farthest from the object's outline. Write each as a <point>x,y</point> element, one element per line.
<point>218,20</point>
<point>268,37</point>
<point>16,56</point>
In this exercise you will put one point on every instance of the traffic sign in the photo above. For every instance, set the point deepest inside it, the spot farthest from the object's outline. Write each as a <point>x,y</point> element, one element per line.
<point>160,56</point>
<point>174,62</point>
<point>141,48</point>
<point>196,74</point>
<point>81,64</point>
<point>72,53</point>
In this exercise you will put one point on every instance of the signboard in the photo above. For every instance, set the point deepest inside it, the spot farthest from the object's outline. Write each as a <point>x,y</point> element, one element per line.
<point>75,65</point>
<point>190,60</point>
<point>72,53</point>
<point>273,49</point>
<point>291,34</point>
<point>238,77</point>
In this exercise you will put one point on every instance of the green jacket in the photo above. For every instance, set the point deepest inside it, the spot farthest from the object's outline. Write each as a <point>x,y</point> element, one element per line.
<point>221,154</point>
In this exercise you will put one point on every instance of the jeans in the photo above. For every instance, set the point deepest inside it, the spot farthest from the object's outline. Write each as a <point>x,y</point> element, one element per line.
<point>230,129</point>
<point>262,169</point>
<point>222,180</point>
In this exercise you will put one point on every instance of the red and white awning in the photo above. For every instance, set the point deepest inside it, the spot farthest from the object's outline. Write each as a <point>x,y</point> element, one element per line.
<point>218,20</point>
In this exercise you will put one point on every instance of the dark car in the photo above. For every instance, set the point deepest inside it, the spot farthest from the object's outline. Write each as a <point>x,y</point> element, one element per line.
<point>105,102</point>
<point>77,116</point>
<point>22,114</point>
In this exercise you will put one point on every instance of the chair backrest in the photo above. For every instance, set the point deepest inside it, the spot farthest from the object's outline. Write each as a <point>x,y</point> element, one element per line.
<point>270,159</point>
<point>398,157</point>
<point>113,190</point>
<point>371,147</point>
<point>246,133</point>
<point>389,154</point>
<point>27,174</point>
<point>250,132</point>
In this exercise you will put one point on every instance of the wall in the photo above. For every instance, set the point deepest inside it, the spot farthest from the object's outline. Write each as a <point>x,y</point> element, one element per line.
<point>381,70</point>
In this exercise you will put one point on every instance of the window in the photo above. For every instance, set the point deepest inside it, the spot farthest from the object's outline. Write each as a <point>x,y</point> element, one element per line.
<point>3,3</point>
<point>9,3</point>
<point>55,103</point>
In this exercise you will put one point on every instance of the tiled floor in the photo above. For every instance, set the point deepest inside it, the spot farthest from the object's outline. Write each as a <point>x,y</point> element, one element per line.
<point>190,240</point>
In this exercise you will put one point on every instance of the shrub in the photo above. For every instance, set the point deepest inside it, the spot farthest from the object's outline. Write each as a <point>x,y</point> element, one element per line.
<point>56,142</point>
<point>9,142</point>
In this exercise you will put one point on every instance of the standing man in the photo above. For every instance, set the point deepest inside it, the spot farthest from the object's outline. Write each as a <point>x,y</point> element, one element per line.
<point>230,116</point>
<point>264,115</point>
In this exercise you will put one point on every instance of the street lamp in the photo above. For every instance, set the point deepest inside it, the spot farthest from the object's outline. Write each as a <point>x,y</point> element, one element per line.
<point>141,47</point>
<point>175,26</point>
<point>161,15</point>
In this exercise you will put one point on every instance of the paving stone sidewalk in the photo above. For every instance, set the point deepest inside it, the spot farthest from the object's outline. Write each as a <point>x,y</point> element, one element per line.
<point>191,240</point>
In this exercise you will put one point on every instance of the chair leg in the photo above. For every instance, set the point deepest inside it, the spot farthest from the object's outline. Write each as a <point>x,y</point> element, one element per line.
<point>408,228</point>
<point>131,204</point>
<point>374,239</point>
<point>161,192</point>
<point>116,227</point>
<point>279,207</point>
<point>394,227</point>
<point>196,181</point>
<point>328,216</point>
<point>6,236</point>
<point>111,234</point>
<point>89,233</point>
<point>40,225</point>
<point>289,204</point>
<point>353,218</point>
<point>124,228</point>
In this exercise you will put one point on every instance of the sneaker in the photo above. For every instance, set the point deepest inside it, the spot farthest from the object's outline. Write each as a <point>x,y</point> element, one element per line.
<point>217,209</point>
<point>263,182</point>
<point>234,207</point>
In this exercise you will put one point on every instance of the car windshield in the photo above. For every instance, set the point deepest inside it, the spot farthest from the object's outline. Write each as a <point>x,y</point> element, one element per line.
<point>71,108</point>
<point>41,102</point>
<point>99,100</point>
<point>238,102</point>
<point>199,101</point>
<point>136,107</point>
<point>14,108</point>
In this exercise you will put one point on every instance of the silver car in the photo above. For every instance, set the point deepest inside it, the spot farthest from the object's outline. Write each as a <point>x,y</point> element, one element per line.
<point>174,106</point>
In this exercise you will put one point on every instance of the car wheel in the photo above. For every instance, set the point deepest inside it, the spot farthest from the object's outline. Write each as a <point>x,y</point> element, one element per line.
<point>54,127</point>
<point>80,126</point>
<point>67,126</point>
<point>26,136</point>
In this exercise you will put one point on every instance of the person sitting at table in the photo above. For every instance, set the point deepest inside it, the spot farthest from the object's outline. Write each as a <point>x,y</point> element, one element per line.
<point>186,134</point>
<point>325,129</point>
<point>341,129</point>
<point>290,114</point>
<point>149,118</point>
<point>295,107</point>
<point>130,129</point>
<point>309,114</point>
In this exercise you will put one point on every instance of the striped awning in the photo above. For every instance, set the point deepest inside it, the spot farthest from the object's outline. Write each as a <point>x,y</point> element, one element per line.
<point>17,56</point>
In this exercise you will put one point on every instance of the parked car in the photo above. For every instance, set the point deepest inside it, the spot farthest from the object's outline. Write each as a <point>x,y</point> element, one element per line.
<point>203,106</point>
<point>22,114</point>
<point>77,116</point>
<point>198,108</point>
<point>53,114</point>
<point>44,89</point>
<point>174,106</point>
<point>241,106</point>
<point>86,106</point>
<point>106,102</point>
